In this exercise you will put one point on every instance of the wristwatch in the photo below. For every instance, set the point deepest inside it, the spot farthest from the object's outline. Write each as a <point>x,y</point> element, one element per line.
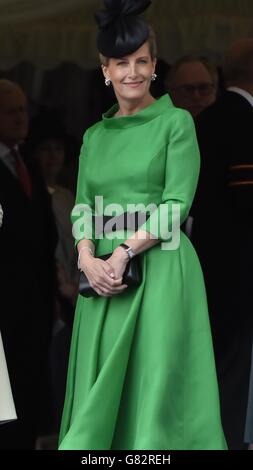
<point>128,250</point>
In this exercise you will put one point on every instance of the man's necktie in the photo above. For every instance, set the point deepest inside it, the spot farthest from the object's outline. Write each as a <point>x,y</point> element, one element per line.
<point>22,172</point>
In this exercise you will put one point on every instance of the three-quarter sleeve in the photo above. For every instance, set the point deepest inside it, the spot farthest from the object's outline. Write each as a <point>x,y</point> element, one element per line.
<point>181,176</point>
<point>81,215</point>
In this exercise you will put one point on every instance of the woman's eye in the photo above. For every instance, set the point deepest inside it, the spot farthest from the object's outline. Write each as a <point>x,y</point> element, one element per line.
<point>121,63</point>
<point>143,61</point>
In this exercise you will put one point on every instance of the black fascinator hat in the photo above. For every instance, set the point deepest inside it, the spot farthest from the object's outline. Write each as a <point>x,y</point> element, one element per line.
<point>122,30</point>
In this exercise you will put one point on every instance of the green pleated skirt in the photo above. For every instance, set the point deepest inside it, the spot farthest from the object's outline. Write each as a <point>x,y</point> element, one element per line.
<point>141,369</point>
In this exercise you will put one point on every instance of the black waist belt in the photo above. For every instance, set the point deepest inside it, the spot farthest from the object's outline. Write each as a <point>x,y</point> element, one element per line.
<point>125,221</point>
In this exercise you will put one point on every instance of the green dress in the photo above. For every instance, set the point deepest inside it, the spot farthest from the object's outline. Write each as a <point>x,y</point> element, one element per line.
<point>141,369</point>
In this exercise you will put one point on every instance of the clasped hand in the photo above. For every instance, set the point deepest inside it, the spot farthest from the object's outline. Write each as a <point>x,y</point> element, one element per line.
<point>105,276</point>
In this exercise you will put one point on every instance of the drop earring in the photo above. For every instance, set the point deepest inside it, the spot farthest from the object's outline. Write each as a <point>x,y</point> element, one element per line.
<point>107,82</point>
<point>153,77</point>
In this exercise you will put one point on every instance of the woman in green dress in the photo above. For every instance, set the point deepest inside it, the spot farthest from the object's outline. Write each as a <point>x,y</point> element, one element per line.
<point>141,369</point>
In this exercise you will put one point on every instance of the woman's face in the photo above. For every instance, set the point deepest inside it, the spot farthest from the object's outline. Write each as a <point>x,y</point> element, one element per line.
<point>131,75</point>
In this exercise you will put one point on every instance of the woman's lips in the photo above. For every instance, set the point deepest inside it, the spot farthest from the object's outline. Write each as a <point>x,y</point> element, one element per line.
<point>134,84</point>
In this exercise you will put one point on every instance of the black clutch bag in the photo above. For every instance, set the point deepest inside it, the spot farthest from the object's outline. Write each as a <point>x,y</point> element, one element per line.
<point>132,277</point>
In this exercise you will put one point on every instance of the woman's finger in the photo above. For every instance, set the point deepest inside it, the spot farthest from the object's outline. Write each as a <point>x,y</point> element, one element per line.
<point>119,291</point>
<point>108,269</point>
<point>101,292</point>
<point>110,282</point>
<point>111,290</point>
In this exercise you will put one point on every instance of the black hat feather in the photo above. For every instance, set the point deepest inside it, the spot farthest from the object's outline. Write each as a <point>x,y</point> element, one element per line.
<point>122,30</point>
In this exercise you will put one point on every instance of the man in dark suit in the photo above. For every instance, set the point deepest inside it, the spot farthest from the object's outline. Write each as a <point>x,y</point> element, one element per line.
<point>27,243</point>
<point>223,232</point>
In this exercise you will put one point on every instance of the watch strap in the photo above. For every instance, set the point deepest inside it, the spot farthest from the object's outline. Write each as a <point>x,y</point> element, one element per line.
<point>128,250</point>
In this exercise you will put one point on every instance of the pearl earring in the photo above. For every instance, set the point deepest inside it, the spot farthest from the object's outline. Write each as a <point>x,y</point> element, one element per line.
<point>153,77</point>
<point>107,82</point>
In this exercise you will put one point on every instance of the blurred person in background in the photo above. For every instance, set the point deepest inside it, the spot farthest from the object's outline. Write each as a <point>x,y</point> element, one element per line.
<point>223,231</point>
<point>27,275</point>
<point>47,145</point>
<point>192,83</point>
